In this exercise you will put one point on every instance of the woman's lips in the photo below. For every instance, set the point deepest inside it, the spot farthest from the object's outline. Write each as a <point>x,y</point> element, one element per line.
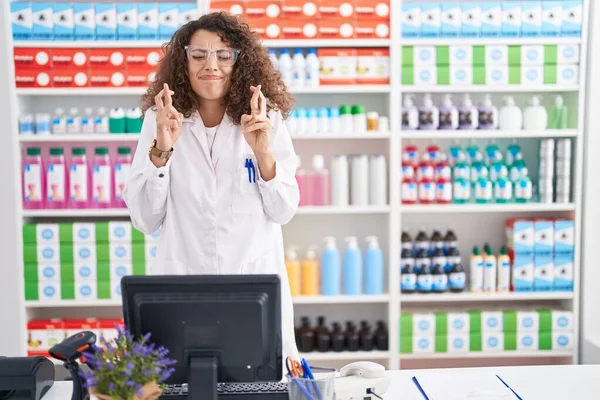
<point>211,77</point>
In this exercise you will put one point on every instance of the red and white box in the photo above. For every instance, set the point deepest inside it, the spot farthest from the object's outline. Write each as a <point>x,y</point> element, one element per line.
<point>42,335</point>
<point>107,58</point>
<point>372,29</point>
<point>300,29</point>
<point>32,78</point>
<point>372,9</point>
<point>336,8</point>
<point>139,76</point>
<point>300,9</point>
<point>230,7</point>
<point>69,58</point>
<point>338,66</point>
<point>373,66</point>
<point>107,77</point>
<point>70,77</point>
<point>267,28</point>
<point>74,326</point>
<point>257,9</point>
<point>336,28</point>
<point>143,58</point>
<point>32,58</point>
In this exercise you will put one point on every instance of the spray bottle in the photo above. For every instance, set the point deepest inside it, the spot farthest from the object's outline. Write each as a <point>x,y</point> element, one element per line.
<point>310,273</point>
<point>373,267</point>
<point>490,266</point>
<point>558,114</point>
<point>352,267</point>
<point>292,266</point>
<point>331,268</point>
<point>476,271</point>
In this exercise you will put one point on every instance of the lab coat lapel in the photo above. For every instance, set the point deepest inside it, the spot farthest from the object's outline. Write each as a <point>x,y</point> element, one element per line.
<point>224,133</point>
<point>199,131</point>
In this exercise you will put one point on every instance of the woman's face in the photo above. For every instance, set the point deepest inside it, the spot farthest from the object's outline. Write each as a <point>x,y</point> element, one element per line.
<point>210,78</point>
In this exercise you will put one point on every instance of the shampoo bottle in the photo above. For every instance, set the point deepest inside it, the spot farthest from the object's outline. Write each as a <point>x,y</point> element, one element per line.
<point>488,114</point>
<point>468,116</point>
<point>429,115</point>
<point>352,267</point>
<point>319,182</point>
<point>116,120</point>
<point>373,267</point>
<point>292,266</point>
<point>448,114</point>
<point>503,280</point>
<point>340,185</point>
<point>489,279</point>
<point>558,114</point>
<point>535,117</point>
<point>310,273</point>
<point>303,185</point>
<point>476,271</point>
<point>331,273</point>
<point>33,179</point>
<point>410,114</point>
<point>510,116</point>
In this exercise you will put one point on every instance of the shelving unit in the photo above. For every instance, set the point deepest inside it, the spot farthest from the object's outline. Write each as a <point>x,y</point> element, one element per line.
<point>385,221</point>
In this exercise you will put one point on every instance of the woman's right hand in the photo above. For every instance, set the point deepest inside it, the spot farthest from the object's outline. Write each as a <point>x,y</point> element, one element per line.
<point>168,120</point>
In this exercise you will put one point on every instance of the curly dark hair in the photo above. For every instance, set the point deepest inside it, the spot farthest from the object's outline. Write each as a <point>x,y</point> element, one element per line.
<point>253,67</point>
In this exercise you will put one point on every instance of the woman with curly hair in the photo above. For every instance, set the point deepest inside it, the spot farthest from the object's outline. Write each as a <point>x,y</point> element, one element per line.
<point>215,166</point>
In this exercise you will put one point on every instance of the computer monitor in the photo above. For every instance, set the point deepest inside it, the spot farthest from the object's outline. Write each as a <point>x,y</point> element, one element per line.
<point>218,328</point>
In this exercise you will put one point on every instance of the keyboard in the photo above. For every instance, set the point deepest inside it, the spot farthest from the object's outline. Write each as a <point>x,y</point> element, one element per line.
<point>235,391</point>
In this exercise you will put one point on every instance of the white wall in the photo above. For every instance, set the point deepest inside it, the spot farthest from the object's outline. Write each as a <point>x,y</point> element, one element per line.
<point>590,319</point>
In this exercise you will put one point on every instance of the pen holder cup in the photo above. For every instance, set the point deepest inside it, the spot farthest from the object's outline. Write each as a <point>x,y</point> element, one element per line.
<point>322,387</point>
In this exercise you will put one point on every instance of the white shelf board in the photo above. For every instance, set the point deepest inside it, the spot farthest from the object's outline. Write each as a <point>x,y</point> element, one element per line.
<point>329,210</point>
<point>345,355</point>
<point>80,137</point>
<point>84,212</point>
<point>335,136</point>
<point>483,134</point>
<point>345,89</point>
<point>483,297</point>
<point>361,299</point>
<point>488,88</point>
<point>488,41</point>
<point>318,43</point>
<point>90,44</point>
<point>482,208</point>
<point>72,303</point>
<point>488,354</point>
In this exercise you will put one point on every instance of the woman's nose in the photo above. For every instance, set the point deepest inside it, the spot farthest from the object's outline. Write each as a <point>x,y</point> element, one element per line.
<point>211,62</point>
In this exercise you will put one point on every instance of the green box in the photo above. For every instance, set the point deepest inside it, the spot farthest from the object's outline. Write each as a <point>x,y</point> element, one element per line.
<point>29,233</point>
<point>406,325</point>
<point>545,341</point>
<point>510,341</point>
<point>32,291</point>
<point>475,341</point>
<point>550,74</point>
<point>550,54</point>
<point>514,75</point>
<point>408,55</point>
<point>441,344</point>
<point>545,320</point>
<point>103,289</point>
<point>443,75</point>
<point>514,55</point>
<point>441,323</point>
<point>408,75</point>
<point>30,272</point>
<point>442,55</point>
<point>475,321</point>
<point>67,290</point>
<point>510,322</point>
<point>478,56</point>
<point>479,75</point>
<point>406,345</point>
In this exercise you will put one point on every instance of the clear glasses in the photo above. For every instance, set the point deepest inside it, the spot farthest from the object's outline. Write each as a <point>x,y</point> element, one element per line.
<point>225,57</point>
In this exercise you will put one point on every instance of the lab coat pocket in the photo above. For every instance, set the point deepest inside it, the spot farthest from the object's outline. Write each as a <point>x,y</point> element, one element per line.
<point>246,195</point>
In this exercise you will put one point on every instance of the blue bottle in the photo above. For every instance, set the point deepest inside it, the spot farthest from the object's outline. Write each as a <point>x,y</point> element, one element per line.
<point>352,267</point>
<point>331,269</point>
<point>373,267</point>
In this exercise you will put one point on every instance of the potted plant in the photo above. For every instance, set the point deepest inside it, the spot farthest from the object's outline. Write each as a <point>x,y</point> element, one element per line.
<point>128,369</point>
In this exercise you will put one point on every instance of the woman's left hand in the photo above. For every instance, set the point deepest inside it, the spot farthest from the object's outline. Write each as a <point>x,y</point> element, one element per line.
<point>256,127</point>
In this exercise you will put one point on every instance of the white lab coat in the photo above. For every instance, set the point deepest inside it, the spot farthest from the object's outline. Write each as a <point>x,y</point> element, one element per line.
<point>212,219</point>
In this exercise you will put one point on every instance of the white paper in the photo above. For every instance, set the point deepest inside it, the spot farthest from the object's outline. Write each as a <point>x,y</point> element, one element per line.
<point>464,385</point>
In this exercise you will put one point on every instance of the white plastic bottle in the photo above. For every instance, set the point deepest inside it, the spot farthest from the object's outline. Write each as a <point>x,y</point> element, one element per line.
<point>298,69</point>
<point>74,121</point>
<point>346,120</point>
<point>301,121</point>
<point>87,121</point>
<point>510,117</point>
<point>476,271</point>
<point>313,68</point>
<point>535,116</point>
<point>340,185</point>
<point>59,121</point>
<point>101,122</point>
<point>410,114</point>
<point>334,120</point>
<point>323,120</point>
<point>377,180</point>
<point>273,58</point>
<point>359,186</point>
<point>285,67</point>
<point>313,121</point>
<point>490,270</point>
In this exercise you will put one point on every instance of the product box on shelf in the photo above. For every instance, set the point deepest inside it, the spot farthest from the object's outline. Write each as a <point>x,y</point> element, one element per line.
<point>106,21</point>
<point>43,21</point>
<point>139,77</point>
<point>461,75</point>
<point>336,28</point>
<point>127,21</point>
<point>143,58</point>
<point>373,66</point>
<point>300,9</point>
<point>566,53</point>
<point>491,19</point>
<point>567,74</point>
<point>84,17</point>
<point>411,19</point>
<point>147,21</point>
<point>271,29</point>
<point>494,55</point>
<point>461,55</point>
<point>168,20</point>
<point>520,236</point>
<point>431,20</point>
<point>109,58</point>
<point>552,17</point>
<point>511,18</point>
<point>491,341</point>
<point>21,20</point>
<point>70,77</point>
<point>572,18</point>
<point>564,237</point>
<point>258,9</point>
<point>338,66</point>
<point>42,335</point>
<point>188,12</point>
<point>471,19</point>
<point>543,237</point>
<point>335,8</point>
<point>450,19</point>
<point>531,25</point>
<point>68,58</point>
<point>544,273</point>
<point>64,24</point>
<point>563,272</point>
<point>372,10</point>
<point>372,29</point>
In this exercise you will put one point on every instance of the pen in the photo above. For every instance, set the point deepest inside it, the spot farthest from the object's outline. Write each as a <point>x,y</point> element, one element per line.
<point>310,375</point>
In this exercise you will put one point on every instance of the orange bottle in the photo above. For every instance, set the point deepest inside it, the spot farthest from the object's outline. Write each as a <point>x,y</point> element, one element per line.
<point>292,265</point>
<point>310,273</point>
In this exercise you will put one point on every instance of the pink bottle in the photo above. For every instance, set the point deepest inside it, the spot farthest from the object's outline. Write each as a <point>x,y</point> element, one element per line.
<point>56,179</point>
<point>102,180</point>
<point>79,177</point>
<point>33,179</point>
<point>303,186</point>
<point>319,182</point>
<point>122,169</point>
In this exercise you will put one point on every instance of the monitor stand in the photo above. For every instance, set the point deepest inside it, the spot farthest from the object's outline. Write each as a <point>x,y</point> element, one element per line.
<point>203,374</point>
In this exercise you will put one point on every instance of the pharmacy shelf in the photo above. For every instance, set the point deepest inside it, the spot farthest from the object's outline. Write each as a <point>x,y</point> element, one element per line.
<point>334,136</point>
<point>483,297</point>
<point>361,299</point>
<point>72,303</point>
<point>346,355</point>
<point>490,89</point>
<point>485,134</point>
<point>482,41</point>
<point>331,210</point>
<point>79,137</point>
<point>90,44</point>
<point>488,354</point>
<point>77,213</point>
<point>345,89</point>
<point>485,208</point>
<point>319,43</point>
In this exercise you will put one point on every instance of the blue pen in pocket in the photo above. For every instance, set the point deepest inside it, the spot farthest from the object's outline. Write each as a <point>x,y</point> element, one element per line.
<point>249,165</point>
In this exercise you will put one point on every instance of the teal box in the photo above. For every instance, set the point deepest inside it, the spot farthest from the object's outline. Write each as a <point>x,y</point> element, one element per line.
<point>411,19</point>
<point>491,19</point>
<point>147,21</point>
<point>572,18</point>
<point>563,273</point>
<point>168,20</point>
<point>85,21</point>
<point>532,18</point>
<point>43,21</point>
<point>450,19</point>
<point>471,19</point>
<point>430,20</point>
<point>127,21</point>
<point>64,25</point>
<point>544,273</point>
<point>22,20</point>
<point>552,16</point>
<point>187,12</point>
<point>106,21</point>
<point>511,19</point>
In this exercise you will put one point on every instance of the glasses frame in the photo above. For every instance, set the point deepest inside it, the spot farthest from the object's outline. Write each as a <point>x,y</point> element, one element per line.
<point>236,54</point>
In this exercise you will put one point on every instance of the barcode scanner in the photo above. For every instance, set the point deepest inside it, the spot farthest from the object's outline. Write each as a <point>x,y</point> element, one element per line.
<point>69,351</point>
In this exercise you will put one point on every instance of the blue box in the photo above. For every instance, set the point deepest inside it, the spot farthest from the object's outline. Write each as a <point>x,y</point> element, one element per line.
<point>572,18</point>
<point>85,21</point>
<point>522,274</point>
<point>106,21</point>
<point>64,26</point>
<point>543,238</point>
<point>43,21</point>
<point>450,20</point>
<point>531,25</point>
<point>552,16</point>
<point>147,21</point>
<point>491,19</point>
<point>168,20</point>
<point>22,20</point>
<point>187,12</point>
<point>522,237</point>
<point>471,19</point>
<point>411,19</point>
<point>564,237</point>
<point>544,273</point>
<point>511,19</point>
<point>127,21</point>
<point>563,273</point>
<point>431,20</point>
